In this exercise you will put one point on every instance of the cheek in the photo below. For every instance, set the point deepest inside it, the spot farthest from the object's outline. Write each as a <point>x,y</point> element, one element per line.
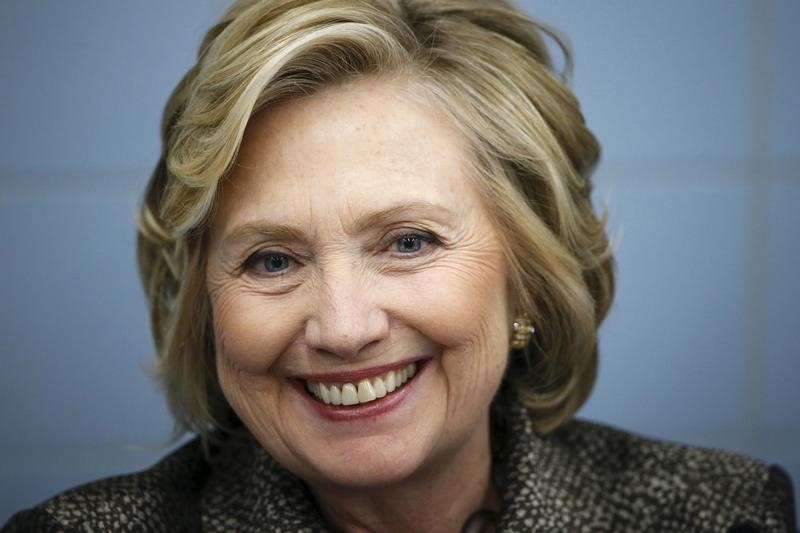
<point>465,311</point>
<point>250,330</point>
<point>462,303</point>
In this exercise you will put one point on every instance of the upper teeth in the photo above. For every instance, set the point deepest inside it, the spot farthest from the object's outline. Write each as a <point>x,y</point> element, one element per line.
<point>365,390</point>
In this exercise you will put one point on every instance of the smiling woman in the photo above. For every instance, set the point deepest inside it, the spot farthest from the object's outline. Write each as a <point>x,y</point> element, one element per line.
<point>385,246</point>
<point>375,279</point>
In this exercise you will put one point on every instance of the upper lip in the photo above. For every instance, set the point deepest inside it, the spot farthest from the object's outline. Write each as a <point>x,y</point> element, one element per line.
<point>350,376</point>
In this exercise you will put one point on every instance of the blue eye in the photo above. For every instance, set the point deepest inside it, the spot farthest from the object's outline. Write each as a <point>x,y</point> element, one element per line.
<point>268,262</point>
<point>413,243</point>
<point>408,244</point>
<point>275,262</point>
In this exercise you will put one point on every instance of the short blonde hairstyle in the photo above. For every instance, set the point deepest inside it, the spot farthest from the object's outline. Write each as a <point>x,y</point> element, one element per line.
<point>486,65</point>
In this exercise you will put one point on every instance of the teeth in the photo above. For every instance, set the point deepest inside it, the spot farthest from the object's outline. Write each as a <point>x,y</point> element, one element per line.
<point>349,394</point>
<point>326,395</point>
<point>335,393</point>
<point>380,388</point>
<point>367,390</point>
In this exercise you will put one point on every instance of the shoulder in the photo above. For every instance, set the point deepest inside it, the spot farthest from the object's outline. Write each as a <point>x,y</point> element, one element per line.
<point>608,451</point>
<point>161,498</point>
<point>674,486</point>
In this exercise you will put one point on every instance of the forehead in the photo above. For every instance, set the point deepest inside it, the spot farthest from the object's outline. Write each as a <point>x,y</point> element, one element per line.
<point>369,144</point>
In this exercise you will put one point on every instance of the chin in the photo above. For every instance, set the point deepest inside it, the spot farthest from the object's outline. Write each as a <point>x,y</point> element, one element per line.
<point>370,462</point>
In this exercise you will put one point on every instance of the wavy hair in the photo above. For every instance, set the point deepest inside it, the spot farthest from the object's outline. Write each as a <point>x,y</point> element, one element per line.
<point>486,65</point>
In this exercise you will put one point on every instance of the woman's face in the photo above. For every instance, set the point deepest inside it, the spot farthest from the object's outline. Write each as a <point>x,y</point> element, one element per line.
<point>349,246</point>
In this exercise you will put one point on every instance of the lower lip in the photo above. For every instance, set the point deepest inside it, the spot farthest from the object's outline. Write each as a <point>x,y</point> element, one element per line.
<point>364,411</point>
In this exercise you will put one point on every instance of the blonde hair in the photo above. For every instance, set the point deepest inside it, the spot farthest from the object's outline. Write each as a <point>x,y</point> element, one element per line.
<point>488,68</point>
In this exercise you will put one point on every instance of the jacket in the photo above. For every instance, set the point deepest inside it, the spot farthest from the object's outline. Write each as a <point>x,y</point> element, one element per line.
<point>582,477</point>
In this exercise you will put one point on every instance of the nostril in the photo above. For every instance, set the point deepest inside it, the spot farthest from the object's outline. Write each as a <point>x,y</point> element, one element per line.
<point>346,334</point>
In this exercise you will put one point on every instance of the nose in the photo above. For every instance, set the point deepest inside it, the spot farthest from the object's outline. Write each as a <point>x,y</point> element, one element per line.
<point>346,318</point>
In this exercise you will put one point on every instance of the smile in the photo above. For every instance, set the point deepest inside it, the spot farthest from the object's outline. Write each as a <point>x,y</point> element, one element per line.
<point>365,390</point>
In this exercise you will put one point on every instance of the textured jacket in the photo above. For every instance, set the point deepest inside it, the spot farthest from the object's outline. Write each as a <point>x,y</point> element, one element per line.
<point>583,477</point>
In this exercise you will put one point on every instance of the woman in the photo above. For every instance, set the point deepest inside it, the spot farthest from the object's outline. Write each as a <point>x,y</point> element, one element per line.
<point>375,280</point>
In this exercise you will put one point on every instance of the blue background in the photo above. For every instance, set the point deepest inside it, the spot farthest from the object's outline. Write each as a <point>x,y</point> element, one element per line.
<point>695,103</point>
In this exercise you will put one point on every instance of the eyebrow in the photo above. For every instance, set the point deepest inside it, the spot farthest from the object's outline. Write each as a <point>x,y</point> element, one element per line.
<point>279,232</point>
<point>392,213</point>
<point>283,232</point>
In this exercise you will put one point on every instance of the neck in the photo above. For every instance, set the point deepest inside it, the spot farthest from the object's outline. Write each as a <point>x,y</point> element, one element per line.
<point>438,498</point>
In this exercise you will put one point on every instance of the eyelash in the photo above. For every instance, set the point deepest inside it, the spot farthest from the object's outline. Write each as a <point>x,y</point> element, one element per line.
<point>252,262</point>
<point>424,236</point>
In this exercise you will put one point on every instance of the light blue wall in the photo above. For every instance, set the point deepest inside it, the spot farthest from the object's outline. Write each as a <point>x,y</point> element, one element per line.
<point>695,103</point>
